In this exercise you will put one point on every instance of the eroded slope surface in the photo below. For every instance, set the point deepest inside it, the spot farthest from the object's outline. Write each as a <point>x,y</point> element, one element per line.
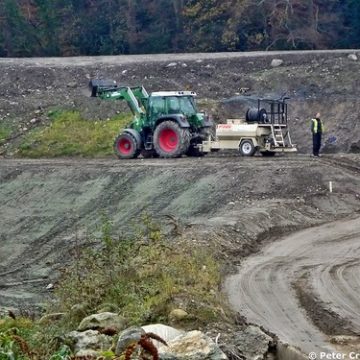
<point>48,206</point>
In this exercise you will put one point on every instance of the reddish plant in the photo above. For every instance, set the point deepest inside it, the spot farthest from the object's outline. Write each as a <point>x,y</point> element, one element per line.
<point>146,345</point>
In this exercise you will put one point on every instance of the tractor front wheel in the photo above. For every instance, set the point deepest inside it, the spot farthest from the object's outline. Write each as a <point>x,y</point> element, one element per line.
<point>126,147</point>
<point>170,140</point>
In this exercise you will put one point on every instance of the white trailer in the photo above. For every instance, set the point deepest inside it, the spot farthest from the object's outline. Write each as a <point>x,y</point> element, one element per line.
<point>265,129</point>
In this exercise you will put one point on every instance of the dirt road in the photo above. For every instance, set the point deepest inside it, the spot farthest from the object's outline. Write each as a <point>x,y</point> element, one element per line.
<point>153,58</point>
<point>327,257</point>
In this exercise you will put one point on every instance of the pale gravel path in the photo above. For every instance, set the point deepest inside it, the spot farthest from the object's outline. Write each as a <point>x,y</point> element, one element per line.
<point>154,58</point>
<point>329,255</point>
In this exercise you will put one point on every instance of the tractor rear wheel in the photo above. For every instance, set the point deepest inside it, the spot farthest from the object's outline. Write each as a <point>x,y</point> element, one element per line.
<point>126,147</point>
<point>170,140</point>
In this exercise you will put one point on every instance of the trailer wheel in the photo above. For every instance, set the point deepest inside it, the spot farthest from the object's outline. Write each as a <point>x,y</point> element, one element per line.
<point>170,140</point>
<point>247,148</point>
<point>126,147</point>
<point>268,153</point>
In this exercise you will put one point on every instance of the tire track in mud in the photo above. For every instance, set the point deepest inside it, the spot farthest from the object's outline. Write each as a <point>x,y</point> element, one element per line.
<point>327,257</point>
<point>345,164</point>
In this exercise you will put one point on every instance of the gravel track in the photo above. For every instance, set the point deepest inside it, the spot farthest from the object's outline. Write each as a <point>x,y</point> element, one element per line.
<point>133,59</point>
<point>328,256</point>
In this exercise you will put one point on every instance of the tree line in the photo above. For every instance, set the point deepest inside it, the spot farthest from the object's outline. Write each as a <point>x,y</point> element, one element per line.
<point>110,27</point>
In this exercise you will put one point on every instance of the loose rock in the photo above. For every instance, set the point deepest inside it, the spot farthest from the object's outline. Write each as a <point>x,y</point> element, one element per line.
<point>103,321</point>
<point>276,62</point>
<point>193,345</point>
<point>88,340</point>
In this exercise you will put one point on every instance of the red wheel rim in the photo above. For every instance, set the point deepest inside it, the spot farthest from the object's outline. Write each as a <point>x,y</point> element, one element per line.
<point>124,146</point>
<point>168,140</point>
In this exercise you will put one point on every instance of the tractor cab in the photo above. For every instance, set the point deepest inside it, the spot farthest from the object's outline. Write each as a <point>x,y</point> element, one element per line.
<point>180,103</point>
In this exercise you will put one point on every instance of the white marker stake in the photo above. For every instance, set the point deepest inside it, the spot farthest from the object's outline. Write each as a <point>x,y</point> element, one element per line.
<point>330,186</point>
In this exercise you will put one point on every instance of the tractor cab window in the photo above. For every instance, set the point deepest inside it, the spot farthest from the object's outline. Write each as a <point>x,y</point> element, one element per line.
<point>173,105</point>
<point>156,106</point>
<point>181,105</point>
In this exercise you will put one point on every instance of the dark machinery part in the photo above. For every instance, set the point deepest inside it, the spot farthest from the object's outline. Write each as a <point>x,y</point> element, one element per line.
<point>98,85</point>
<point>256,115</point>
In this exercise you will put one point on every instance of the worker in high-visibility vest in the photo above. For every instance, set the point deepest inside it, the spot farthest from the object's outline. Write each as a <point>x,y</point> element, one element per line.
<point>317,129</point>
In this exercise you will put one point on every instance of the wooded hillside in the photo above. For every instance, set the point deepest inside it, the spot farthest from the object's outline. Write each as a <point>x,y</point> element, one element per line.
<point>109,27</point>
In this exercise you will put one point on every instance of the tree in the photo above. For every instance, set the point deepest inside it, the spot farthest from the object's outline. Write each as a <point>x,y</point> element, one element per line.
<point>18,35</point>
<point>351,37</point>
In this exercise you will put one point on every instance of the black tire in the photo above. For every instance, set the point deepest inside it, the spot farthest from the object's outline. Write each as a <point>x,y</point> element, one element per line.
<point>268,153</point>
<point>126,147</point>
<point>247,148</point>
<point>170,140</point>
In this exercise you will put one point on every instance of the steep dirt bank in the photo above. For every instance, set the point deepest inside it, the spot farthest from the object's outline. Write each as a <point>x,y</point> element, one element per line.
<point>47,206</point>
<point>227,84</point>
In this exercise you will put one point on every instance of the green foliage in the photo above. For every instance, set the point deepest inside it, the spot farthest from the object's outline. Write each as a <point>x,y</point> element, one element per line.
<point>13,337</point>
<point>70,135</point>
<point>64,353</point>
<point>143,276</point>
<point>5,132</point>
<point>106,27</point>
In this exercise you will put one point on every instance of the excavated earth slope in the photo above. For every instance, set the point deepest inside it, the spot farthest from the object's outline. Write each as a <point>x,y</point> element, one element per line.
<point>48,205</point>
<point>227,84</point>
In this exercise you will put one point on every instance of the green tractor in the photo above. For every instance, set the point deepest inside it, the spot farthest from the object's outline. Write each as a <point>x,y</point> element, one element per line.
<point>166,124</point>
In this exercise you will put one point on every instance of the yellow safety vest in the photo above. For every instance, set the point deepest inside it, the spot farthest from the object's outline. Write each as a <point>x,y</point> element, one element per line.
<point>315,128</point>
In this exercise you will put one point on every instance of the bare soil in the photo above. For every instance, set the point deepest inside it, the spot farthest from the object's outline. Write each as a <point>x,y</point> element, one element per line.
<point>48,205</point>
<point>227,84</point>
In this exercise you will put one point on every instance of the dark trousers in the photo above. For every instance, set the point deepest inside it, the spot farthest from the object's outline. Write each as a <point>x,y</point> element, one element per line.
<point>316,144</point>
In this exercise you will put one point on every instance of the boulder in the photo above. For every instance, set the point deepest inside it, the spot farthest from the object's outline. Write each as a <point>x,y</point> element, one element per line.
<point>252,343</point>
<point>177,315</point>
<point>276,62</point>
<point>88,340</point>
<point>103,321</point>
<point>352,57</point>
<point>193,345</point>
<point>128,337</point>
<point>167,333</point>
